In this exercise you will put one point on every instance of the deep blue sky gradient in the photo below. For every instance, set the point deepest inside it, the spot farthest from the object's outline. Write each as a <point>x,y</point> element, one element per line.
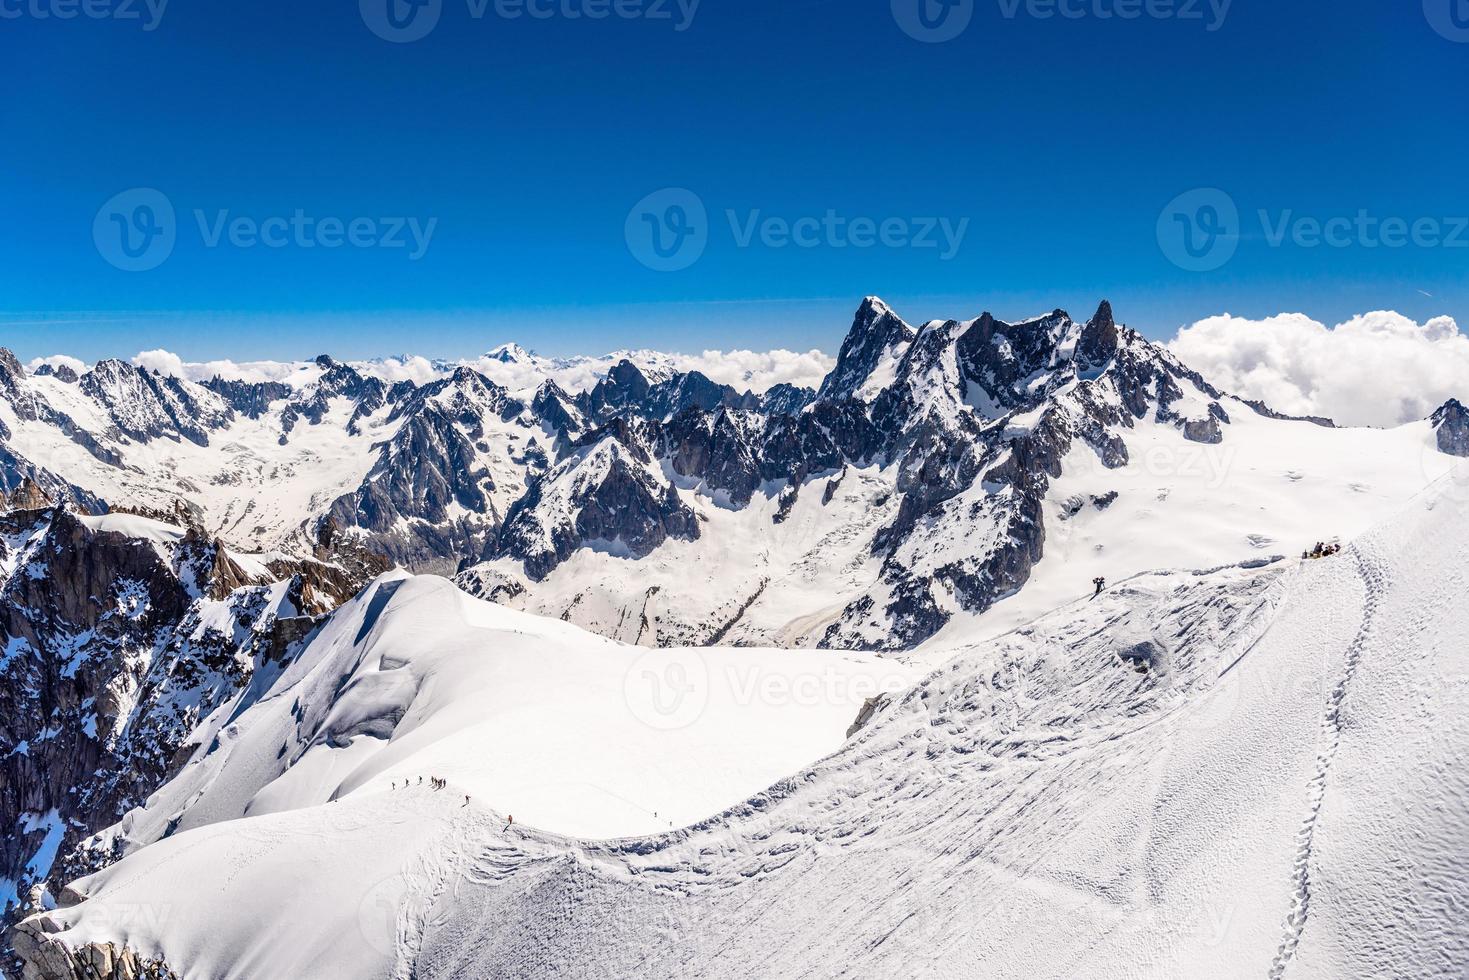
<point>1060,140</point>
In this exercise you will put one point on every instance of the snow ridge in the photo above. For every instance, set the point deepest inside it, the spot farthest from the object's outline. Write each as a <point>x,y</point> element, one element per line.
<point>1376,581</point>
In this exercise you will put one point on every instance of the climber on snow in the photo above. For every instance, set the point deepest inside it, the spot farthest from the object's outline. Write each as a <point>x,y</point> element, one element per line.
<point>1100,583</point>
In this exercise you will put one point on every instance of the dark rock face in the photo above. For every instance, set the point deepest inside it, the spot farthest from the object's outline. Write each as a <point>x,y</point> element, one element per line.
<point>146,406</point>
<point>876,332</point>
<point>429,468</point>
<point>691,390</point>
<point>61,372</point>
<point>337,381</point>
<point>784,399</point>
<point>26,483</point>
<point>1451,427</point>
<point>974,417</point>
<point>604,498</point>
<point>558,409</point>
<point>716,450</point>
<point>114,649</point>
<point>250,399</point>
<point>623,389</point>
<point>11,371</point>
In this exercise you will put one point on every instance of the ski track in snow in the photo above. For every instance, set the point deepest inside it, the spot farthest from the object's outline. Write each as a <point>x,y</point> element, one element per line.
<point>1375,580</point>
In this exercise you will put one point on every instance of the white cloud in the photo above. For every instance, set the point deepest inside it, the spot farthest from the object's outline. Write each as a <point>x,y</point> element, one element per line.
<point>56,361</point>
<point>523,373</point>
<point>419,370</point>
<point>291,372</point>
<point>162,361</point>
<point>760,372</point>
<point>1380,369</point>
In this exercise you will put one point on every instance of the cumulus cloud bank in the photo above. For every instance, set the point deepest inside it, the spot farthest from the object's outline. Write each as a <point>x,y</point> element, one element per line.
<point>522,372</point>
<point>760,372</point>
<point>1380,369</point>
<point>167,362</point>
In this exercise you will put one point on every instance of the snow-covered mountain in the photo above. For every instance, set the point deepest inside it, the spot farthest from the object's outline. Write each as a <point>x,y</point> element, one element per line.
<point>121,633</point>
<point>1254,770</point>
<point>942,473</point>
<point>170,548</point>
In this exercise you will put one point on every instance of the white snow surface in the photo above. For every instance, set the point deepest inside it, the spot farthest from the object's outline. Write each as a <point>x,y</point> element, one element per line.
<point>566,730</point>
<point>1272,488</point>
<point>1244,772</point>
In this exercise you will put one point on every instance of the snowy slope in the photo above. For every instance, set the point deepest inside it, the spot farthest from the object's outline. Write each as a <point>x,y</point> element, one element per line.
<point>565,729</point>
<point>1250,771</point>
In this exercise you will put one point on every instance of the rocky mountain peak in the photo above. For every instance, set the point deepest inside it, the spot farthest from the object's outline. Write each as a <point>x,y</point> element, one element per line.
<point>603,496</point>
<point>11,370</point>
<point>878,337</point>
<point>1451,424</point>
<point>1099,339</point>
<point>624,387</point>
<point>64,373</point>
<point>28,496</point>
<point>557,409</point>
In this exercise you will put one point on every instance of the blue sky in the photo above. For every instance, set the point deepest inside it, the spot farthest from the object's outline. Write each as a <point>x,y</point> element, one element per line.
<point>524,143</point>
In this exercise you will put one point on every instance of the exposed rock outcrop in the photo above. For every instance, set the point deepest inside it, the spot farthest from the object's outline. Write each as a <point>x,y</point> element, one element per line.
<point>1451,428</point>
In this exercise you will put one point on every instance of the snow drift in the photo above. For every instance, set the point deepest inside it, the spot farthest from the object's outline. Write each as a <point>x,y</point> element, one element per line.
<point>1246,771</point>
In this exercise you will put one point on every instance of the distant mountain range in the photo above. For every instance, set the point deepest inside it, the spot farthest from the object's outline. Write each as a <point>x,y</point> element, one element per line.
<point>920,482</point>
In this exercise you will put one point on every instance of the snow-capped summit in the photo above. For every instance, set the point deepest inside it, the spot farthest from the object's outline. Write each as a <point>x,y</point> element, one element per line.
<point>511,354</point>
<point>876,342</point>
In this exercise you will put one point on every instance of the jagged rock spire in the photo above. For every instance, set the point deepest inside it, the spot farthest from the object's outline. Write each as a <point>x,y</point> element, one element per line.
<point>1099,338</point>
<point>877,332</point>
<point>1451,424</point>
